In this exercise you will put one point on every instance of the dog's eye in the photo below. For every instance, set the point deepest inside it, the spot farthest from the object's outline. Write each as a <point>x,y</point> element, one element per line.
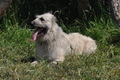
<point>42,19</point>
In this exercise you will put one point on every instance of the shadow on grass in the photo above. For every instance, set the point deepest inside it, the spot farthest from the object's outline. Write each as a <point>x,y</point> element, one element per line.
<point>26,60</point>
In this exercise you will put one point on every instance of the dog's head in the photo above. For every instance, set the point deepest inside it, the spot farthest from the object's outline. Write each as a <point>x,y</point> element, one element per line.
<point>43,23</point>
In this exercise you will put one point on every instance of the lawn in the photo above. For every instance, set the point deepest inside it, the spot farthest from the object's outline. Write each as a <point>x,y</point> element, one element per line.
<point>17,52</point>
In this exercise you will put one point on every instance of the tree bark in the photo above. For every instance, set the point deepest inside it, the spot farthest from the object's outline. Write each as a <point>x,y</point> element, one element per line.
<point>4,4</point>
<point>83,6</point>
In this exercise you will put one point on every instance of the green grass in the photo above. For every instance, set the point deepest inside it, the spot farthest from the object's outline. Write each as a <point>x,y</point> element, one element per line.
<point>17,52</point>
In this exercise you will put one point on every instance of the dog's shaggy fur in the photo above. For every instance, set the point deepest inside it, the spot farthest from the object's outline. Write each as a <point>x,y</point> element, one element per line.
<point>53,44</point>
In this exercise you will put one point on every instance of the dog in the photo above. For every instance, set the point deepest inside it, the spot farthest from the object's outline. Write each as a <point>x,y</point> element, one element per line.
<point>53,44</point>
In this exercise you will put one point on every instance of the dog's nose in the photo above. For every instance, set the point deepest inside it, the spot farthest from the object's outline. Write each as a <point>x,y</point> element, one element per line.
<point>32,22</point>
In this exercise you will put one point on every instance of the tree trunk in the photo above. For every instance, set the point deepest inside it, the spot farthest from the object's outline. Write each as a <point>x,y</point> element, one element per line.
<point>4,4</point>
<point>83,7</point>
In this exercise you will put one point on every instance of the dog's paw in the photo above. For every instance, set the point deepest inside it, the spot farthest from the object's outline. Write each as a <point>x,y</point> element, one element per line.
<point>34,63</point>
<point>56,62</point>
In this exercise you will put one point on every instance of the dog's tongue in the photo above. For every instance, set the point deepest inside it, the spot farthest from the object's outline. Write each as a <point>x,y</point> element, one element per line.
<point>34,36</point>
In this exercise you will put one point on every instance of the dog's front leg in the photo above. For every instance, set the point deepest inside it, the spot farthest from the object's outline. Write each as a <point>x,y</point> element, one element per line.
<point>34,62</point>
<point>58,57</point>
<point>38,54</point>
<point>59,60</point>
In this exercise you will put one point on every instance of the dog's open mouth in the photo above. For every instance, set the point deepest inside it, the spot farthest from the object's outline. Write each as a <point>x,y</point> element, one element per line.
<point>38,32</point>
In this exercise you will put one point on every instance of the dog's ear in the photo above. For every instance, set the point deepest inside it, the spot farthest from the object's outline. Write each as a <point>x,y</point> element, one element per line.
<point>54,19</point>
<point>51,12</point>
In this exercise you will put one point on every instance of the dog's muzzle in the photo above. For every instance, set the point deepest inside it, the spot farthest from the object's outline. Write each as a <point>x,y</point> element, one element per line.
<point>40,30</point>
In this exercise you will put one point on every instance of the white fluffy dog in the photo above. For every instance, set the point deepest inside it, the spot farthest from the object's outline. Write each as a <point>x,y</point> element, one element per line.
<point>53,44</point>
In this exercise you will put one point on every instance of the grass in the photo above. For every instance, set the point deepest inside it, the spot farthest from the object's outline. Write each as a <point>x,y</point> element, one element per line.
<point>17,52</point>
